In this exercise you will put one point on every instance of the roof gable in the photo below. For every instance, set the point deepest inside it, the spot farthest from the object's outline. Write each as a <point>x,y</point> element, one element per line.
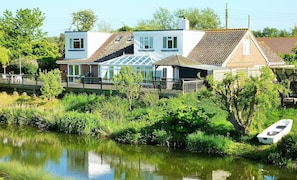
<point>217,45</point>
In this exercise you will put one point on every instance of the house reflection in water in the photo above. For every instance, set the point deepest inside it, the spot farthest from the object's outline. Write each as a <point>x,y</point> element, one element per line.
<point>87,163</point>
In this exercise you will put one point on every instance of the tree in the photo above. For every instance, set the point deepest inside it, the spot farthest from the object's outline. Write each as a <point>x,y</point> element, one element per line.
<point>51,84</point>
<point>4,58</point>
<point>21,30</point>
<point>84,20</point>
<point>104,27</point>
<point>163,19</point>
<point>204,19</point>
<point>294,31</point>
<point>128,82</point>
<point>244,97</point>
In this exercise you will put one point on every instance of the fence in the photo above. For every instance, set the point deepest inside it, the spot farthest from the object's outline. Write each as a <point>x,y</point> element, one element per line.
<point>27,81</point>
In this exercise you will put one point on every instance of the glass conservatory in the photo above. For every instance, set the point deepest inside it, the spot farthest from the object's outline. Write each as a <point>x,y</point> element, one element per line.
<point>144,64</point>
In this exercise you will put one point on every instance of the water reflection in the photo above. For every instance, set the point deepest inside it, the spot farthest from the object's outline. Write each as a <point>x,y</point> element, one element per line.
<point>90,158</point>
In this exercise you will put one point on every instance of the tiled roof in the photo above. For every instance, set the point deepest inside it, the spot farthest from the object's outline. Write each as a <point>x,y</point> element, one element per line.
<point>118,44</point>
<point>176,60</point>
<point>280,44</point>
<point>217,45</point>
<point>270,54</point>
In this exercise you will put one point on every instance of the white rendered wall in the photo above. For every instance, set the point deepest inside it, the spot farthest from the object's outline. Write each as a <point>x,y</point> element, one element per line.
<point>92,41</point>
<point>186,41</point>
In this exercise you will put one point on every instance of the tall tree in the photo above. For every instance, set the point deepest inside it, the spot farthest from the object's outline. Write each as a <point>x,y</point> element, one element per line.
<point>128,82</point>
<point>164,19</point>
<point>21,30</point>
<point>4,58</point>
<point>203,19</point>
<point>244,96</point>
<point>198,19</point>
<point>294,31</point>
<point>84,20</point>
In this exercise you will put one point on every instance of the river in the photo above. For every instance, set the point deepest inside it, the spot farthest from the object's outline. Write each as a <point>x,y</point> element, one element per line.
<point>77,157</point>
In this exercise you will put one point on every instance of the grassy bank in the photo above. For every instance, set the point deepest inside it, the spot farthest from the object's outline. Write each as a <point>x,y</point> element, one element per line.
<point>14,170</point>
<point>186,121</point>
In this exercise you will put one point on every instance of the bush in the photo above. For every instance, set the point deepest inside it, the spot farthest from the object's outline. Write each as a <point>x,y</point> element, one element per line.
<point>284,152</point>
<point>127,136</point>
<point>199,142</point>
<point>78,123</point>
<point>22,115</point>
<point>161,137</point>
<point>82,102</point>
<point>182,122</point>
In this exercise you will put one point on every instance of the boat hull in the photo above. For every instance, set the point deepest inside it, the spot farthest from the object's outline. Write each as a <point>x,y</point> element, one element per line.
<point>275,132</point>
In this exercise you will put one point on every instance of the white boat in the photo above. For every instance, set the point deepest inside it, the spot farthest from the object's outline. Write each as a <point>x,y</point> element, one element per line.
<point>275,132</point>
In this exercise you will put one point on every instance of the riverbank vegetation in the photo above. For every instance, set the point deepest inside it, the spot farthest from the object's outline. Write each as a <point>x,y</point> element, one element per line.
<point>15,170</point>
<point>196,122</point>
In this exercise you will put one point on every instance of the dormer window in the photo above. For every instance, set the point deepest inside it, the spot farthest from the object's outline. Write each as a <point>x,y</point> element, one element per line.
<point>170,42</point>
<point>146,42</point>
<point>76,43</point>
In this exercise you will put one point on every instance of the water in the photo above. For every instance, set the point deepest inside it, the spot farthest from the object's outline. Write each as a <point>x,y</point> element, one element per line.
<point>76,157</point>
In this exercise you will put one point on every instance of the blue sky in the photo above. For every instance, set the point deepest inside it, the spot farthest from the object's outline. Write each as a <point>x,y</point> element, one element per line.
<point>263,13</point>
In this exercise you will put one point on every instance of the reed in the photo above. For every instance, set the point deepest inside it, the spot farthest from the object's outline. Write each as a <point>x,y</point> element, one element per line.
<point>15,170</point>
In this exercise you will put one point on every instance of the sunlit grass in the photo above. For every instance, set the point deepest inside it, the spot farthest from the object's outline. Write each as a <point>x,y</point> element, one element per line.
<point>15,170</point>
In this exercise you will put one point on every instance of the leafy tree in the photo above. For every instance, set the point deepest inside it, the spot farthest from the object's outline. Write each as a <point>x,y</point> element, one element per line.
<point>21,30</point>
<point>164,19</point>
<point>128,82</point>
<point>204,19</point>
<point>271,32</point>
<point>125,28</point>
<point>45,48</point>
<point>84,20</point>
<point>294,31</point>
<point>4,58</point>
<point>52,84</point>
<point>244,97</point>
<point>61,45</point>
<point>25,40</point>
<point>104,27</point>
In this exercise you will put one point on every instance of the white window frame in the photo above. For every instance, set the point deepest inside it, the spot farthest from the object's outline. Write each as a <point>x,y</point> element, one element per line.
<point>146,42</point>
<point>76,72</point>
<point>246,47</point>
<point>170,42</point>
<point>76,43</point>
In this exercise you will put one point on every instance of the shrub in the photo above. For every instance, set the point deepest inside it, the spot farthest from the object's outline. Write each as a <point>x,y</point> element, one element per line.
<point>78,123</point>
<point>182,122</point>
<point>82,102</point>
<point>127,136</point>
<point>115,109</point>
<point>161,137</point>
<point>23,115</point>
<point>284,152</point>
<point>200,142</point>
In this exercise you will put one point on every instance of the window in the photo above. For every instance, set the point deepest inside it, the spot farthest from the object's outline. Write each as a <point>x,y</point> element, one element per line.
<point>73,72</point>
<point>170,42</point>
<point>146,42</point>
<point>246,47</point>
<point>76,43</point>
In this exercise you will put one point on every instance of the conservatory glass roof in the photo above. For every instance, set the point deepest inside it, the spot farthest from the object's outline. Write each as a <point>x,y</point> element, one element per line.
<point>130,60</point>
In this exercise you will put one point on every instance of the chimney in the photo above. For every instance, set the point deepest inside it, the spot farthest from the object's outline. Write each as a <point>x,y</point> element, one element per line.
<point>183,23</point>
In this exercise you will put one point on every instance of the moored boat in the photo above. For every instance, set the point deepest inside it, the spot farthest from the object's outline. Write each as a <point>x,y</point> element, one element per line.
<point>275,132</point>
